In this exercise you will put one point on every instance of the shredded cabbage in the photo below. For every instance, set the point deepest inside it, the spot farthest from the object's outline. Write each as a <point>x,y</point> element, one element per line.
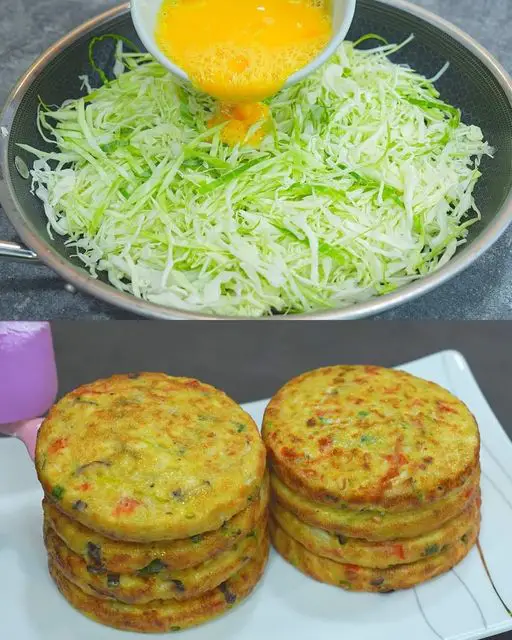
<point>364,184</point>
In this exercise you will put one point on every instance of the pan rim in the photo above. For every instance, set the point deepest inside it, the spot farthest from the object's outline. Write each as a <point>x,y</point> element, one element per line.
<point>83,281</point>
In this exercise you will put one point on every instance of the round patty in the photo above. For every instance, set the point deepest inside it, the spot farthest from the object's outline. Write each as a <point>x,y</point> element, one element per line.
<point>355,578</point>
<point>377,555</point>
<point>149,457</point>
<point>370,437</point>
<point>119,556</point>
<point>376,525</point>
<point>135,589</point>
<point>162,616</point>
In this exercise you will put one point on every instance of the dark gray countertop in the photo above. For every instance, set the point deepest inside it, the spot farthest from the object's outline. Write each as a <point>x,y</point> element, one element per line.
<point>251,361</point>
<point>484,291</point>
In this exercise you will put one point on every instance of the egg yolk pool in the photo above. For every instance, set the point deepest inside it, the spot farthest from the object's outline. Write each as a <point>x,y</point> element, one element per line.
<point>242,51</point>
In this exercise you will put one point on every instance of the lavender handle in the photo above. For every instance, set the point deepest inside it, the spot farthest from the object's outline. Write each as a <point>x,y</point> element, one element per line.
<point>26,431</point>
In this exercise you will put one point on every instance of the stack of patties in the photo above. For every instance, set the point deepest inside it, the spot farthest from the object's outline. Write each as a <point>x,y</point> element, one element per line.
<point>156,496</point>
<point>374,477</point>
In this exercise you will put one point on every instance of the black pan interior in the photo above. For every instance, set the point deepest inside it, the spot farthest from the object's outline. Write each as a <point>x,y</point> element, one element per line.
<point>468,84</point>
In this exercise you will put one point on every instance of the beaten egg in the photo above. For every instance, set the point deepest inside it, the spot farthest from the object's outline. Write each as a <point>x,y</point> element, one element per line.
<point>242,51</point>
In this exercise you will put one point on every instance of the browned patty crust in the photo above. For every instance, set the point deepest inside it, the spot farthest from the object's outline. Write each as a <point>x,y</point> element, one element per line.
<point>119,556</point>
<point>372,524</point>
<point>355,578</point>
<point>162,616</point>
<point>370,437</point>
<point>136,589</point>
<point>150,457</point>
<point>375,554</point>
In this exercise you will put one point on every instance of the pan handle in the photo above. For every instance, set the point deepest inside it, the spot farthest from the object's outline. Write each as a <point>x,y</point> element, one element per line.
<point>17,252</point>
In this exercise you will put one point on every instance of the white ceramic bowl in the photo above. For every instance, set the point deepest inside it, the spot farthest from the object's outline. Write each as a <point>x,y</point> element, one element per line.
<point>145,12</point>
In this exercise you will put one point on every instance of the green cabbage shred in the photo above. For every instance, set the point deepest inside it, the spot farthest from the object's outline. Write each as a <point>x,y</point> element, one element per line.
<point>363,184</point>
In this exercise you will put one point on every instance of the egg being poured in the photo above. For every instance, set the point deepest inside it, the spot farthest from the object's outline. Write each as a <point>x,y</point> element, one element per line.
<point>242,51</point>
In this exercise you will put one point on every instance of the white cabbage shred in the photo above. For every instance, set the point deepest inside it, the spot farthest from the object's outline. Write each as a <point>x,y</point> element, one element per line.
<point>364,184</point>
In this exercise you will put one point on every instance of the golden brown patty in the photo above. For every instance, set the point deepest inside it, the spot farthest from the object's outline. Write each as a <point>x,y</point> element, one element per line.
<point>134,589</point>
<point>370,437</point>
<point>355,578</point>
<point>150,457</point>
<point>376,525</point>
<point>375,554</point>
<point>162,616</point>
<point>129,557</point>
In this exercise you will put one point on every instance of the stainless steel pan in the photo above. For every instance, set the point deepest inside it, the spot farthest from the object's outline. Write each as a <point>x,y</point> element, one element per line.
<point>475,82</point>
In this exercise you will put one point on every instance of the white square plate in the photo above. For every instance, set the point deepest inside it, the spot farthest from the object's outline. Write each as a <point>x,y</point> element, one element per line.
<point>462,604</point>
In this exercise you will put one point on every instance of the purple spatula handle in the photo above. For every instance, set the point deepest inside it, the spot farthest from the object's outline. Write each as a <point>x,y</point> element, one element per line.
<point>28,375</point>
<point>26,431</point>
